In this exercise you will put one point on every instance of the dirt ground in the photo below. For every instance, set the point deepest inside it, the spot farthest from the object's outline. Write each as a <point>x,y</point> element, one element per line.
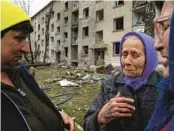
<point>81,96</point>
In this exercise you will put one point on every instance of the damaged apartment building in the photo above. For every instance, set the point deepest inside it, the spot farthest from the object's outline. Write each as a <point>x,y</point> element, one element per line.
<point>84,32</point>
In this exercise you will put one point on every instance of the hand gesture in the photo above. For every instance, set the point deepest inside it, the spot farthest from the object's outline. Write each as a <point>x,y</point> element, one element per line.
<point>117,107</point>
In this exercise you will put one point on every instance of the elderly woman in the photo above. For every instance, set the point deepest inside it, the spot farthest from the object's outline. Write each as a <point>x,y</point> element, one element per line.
<point>126,101</point>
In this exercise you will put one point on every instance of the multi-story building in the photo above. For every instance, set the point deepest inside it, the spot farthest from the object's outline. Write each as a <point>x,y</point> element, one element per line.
<point>84,32</point>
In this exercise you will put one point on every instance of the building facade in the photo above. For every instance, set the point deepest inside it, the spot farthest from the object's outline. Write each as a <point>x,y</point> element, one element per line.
<point>84,32</point>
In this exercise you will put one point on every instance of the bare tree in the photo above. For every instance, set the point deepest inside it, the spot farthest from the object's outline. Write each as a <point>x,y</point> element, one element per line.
<point>26,5</point>
<point>149,15</point>
<point>47,34</point>
<point>149,18</point>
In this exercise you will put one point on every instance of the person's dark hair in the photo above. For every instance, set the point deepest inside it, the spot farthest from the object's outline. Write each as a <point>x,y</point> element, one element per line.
<point>159,4</point>
<point>25,27</point>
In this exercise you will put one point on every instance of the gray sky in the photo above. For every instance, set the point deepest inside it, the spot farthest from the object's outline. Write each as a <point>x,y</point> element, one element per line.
<point>36,5</point>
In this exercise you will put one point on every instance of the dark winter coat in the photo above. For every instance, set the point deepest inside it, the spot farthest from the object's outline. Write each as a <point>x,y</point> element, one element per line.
<point>13,115</point>
<point>144,98</point>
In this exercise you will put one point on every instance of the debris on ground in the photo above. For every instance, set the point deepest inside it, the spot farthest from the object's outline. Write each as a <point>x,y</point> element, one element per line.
<point>66,83</point>
<point>85,79</point>
<point>63,100</point>
<point>48,81</point>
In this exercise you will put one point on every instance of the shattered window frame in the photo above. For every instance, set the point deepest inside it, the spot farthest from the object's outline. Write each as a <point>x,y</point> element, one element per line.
<point>116,48</point>
<point>86,12</point>
<point>100,15</point>
<point>118,3</point>
<point>85,31</point>
<point>99,36</point>
<point>118,24</point>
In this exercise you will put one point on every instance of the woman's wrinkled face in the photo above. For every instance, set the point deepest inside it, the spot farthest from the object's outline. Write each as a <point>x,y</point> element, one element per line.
<point>133,57</point>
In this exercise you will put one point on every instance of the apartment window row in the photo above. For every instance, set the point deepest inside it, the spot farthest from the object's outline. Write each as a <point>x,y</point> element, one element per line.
<point>118,24</point>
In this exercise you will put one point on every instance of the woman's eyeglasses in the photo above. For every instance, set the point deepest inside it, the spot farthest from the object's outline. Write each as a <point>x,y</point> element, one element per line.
<point>161,26</point>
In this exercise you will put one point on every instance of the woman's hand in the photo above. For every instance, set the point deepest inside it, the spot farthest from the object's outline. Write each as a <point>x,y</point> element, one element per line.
<point>115,108</point>
<point>69,122</point>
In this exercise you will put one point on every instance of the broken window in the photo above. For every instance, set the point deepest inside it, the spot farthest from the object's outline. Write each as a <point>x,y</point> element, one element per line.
<point>85,50</point>
<point>58,42</point>
<point>52,39</point>
<point>118,23</point>
<point>85,31</point>
<point>97,1</point>
<point>47,53</point>
<point>116,48</point>
<point>65,35</point>
<point>99,15</point>
<point>74,34</point>
<point>99,36</point>
<point>66,51</point>
<point>119,2</point>
<point>39,48</point>
<point>86,12</point>
<point>52,53</point>
<point>140,19</point>
<point>52,14</point>
<point>42,20</point>
<point>66,20</point>
<point>43,31</point>
<point>75,16</point>
<point>35,45</point>
<point>38,27</point>
<point>58,16</point>
<point>38,37</point>
<point>52,27</point>
<point>58,29</point>
<point>42,43</point>
<point>66,5</point>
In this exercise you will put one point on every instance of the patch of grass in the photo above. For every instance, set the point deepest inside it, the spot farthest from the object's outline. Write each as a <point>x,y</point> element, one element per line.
<point>82,96</point>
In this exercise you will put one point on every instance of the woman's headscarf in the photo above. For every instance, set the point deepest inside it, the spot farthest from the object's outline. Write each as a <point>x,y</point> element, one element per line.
<point>151,60</point>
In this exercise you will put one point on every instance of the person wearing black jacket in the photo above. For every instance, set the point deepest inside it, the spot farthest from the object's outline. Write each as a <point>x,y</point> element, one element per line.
<point>24,106</point>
